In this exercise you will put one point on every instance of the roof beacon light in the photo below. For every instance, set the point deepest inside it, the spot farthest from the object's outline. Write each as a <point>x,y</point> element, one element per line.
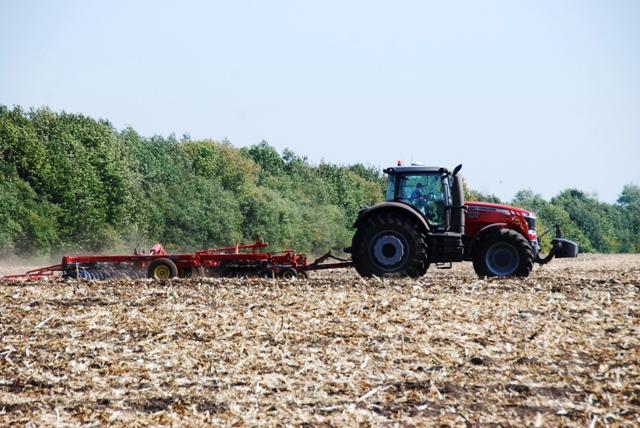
<point>399,163</point>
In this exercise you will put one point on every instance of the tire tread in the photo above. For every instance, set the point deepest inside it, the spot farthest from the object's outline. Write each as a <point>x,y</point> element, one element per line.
<point>516,239</point>
<point>418,263</point>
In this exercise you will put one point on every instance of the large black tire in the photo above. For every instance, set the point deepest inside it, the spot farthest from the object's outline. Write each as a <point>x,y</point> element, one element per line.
<point>390,244</point>
<point>162,269</point>
<point>503,252</point>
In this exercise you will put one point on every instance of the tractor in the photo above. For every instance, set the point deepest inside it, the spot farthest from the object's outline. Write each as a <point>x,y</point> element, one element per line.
<point>425,220</point>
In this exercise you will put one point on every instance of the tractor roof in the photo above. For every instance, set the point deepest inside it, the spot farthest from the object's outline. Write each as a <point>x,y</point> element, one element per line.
<point>414,169</point>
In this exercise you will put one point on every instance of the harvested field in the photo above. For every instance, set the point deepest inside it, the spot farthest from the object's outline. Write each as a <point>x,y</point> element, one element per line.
<point>559,348</point>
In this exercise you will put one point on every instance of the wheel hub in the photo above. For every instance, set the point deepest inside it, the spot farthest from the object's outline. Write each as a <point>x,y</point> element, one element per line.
<point>502,259</point>
<point>388,250</point>
<point>161,272</point>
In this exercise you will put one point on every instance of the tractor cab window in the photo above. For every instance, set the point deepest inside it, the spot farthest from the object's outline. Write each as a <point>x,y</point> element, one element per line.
<point>391,188</point>
<point>426,193</point>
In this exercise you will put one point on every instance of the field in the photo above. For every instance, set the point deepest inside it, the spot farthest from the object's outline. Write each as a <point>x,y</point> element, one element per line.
<point>559,348</point>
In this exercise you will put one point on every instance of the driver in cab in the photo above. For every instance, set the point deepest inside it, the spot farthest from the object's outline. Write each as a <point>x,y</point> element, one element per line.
<point>418,199</point>
<point>426,203</point>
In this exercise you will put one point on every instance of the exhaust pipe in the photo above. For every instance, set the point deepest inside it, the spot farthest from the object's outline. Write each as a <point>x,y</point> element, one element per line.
<point>458,208</point>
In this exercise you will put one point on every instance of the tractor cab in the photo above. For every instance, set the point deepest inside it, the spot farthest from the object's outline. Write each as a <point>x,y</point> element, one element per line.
<point>427,189</point>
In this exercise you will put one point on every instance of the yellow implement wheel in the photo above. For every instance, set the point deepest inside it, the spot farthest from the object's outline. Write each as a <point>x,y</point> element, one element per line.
<point>162,269</point>
<point>162,272</point>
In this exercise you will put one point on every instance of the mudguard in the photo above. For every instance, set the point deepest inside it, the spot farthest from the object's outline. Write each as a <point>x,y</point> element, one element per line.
<point>488,227</point>
<point>390,206</point>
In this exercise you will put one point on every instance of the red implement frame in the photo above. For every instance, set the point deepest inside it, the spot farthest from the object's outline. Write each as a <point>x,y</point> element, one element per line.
<point>244,258</point>
<point>45,273</point>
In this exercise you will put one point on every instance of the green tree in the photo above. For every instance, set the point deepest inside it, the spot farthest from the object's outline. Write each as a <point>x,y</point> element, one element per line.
<point>72,183</point>
<point>548,215</point>
<point>628,208</point>
<point>594,218</point>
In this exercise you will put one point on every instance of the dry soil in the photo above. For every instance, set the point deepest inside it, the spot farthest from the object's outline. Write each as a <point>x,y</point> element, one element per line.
<point>559,348</point>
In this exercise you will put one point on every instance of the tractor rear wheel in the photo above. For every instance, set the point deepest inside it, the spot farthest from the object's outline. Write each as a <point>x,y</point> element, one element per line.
<point>503,252</point>
<point>390,244</point>
<point>162,269</point>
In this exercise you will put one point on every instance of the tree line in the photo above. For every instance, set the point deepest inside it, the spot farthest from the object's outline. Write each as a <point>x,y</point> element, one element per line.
<point>70,183</point>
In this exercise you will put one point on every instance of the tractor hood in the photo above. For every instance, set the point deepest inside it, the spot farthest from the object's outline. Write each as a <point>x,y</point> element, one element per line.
<point>481,214</point>
<point>506,209</point>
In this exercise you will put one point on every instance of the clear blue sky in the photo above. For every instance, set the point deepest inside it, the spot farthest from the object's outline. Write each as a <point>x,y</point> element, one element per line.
<point>526,94</point>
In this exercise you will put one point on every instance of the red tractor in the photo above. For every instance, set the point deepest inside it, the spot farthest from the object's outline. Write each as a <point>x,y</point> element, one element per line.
<point>425,221</point>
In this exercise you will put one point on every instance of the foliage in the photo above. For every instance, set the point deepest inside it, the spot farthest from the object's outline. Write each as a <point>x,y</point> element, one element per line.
<point>72,183</point>
<point>548,216</point>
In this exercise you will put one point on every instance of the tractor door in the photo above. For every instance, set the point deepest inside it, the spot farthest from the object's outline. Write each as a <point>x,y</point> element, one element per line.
<point>428,193</point>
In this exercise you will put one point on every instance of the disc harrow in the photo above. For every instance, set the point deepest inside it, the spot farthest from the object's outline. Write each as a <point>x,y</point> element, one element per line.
<point>102,272</point>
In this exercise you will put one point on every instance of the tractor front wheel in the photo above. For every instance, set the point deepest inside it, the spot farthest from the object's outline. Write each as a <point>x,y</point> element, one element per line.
<point>503,252</point>
<point>390,244</point>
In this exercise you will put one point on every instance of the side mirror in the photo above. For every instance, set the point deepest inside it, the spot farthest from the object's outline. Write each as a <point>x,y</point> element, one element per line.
<point>456,170</point>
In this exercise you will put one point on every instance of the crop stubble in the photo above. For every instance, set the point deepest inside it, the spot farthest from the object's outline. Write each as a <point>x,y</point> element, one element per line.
<point>559,348</point>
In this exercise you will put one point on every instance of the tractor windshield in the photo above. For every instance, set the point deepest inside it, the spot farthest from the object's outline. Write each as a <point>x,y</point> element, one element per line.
<point>425,192</point>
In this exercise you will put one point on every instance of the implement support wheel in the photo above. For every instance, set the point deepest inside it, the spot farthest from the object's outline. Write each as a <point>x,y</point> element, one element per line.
<point>162,269</point>
<point>289,273</point>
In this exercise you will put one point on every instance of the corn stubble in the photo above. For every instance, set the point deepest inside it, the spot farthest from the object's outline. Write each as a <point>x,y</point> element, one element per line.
<point>559,348</point>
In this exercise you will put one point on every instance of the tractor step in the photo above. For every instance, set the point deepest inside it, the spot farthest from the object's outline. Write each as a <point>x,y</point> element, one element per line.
<point>447,265</point>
